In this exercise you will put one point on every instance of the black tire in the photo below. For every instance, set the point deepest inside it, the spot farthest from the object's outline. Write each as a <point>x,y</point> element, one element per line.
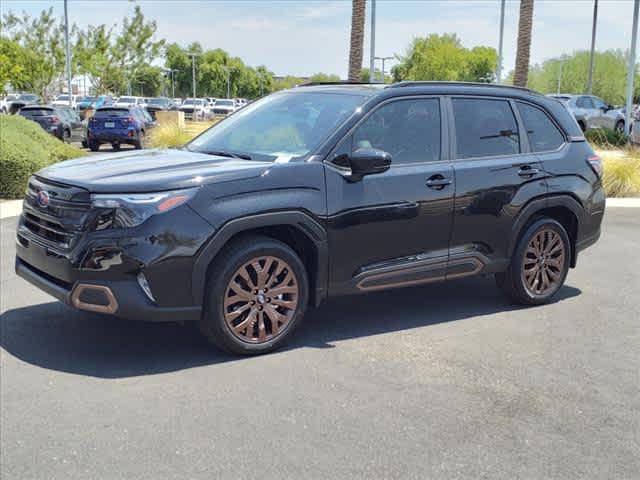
<point>234,256</point>
<point>512,282</point>
<point>620,126</point>
<point>85,144</point>
<point>115,146</point>
<point>139,143</point>
<point>66,136</point>
<point>583,127</point>
<point>94,146</point>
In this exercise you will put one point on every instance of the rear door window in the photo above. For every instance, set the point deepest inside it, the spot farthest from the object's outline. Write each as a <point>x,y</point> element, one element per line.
<point>542,133</point>
<point>485,128</point>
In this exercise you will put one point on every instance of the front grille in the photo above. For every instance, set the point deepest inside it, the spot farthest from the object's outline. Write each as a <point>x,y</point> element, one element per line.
<point>187,110</point>
<point>59,223</point>
<point>220,111</point>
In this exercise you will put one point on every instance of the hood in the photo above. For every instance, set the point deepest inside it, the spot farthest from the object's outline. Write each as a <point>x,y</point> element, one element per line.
<point>150,170</point>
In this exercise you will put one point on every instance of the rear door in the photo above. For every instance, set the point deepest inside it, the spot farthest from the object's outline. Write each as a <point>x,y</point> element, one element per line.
<point>495,175</point>
<point>392,229</point>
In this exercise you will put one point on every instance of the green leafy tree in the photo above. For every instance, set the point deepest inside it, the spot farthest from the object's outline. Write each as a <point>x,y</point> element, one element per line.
<point>94,53</point>
<point>443,57</point>
<point>15,64</point>
<point>43,37</point>
<point>609,76</point>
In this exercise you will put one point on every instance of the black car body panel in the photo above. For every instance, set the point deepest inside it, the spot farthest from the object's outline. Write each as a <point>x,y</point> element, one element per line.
<point>432,219</point>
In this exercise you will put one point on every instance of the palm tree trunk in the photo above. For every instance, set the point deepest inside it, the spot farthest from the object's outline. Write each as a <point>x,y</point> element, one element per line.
<point>357,37</point>
<point>525,24</point>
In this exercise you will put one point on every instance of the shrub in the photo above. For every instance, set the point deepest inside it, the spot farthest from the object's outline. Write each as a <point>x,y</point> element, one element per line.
<point>622,175</point>
<point>26,148</point>
<point>605,138</point>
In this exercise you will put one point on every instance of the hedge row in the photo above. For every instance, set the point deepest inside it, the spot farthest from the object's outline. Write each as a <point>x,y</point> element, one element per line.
<point>26,148</point>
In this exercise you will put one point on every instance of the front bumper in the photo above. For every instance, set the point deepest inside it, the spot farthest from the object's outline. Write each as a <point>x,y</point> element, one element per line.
<point>130,301</point>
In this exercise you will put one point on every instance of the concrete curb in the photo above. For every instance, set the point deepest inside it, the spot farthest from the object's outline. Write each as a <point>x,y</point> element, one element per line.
<point>12,208</point>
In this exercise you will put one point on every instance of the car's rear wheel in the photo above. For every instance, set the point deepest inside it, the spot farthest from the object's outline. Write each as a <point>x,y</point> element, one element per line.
<point>620,126</point>
<point>115,146</point>
<point>66,136</point>
<point>94,146</point>
<point>539,265</point>
<point>256,295</point>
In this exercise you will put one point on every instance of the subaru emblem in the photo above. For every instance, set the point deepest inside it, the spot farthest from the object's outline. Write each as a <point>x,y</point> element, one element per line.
<point>43,198</point>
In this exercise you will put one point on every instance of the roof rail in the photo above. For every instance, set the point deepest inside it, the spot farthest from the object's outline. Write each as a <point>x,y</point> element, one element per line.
<point>341,82</point>
<point>417,83</point>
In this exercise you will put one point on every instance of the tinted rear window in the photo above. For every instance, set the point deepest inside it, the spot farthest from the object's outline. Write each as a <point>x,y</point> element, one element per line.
<point>112,112</point>
<point>485,128</point>
<point>542,133</point>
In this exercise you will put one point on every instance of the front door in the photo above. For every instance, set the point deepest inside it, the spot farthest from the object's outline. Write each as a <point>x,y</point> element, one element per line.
<point>392,229</point>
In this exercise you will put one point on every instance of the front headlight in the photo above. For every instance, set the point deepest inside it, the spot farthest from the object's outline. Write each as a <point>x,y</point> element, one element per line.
<point>131,209</point>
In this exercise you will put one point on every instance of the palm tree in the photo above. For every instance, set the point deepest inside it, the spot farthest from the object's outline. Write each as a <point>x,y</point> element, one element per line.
<point>521,75</point>
<point>357,37</point>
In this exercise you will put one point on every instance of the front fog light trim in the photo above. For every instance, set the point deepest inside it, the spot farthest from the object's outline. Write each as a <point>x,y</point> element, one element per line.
<point>144,285</point>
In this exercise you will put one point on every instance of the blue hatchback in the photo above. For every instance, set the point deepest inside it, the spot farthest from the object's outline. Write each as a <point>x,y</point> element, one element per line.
<point>118,125</point>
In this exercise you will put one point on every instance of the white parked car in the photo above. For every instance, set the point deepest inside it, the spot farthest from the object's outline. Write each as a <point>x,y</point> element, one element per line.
<point>224,106</point>
<point>194,109</point>
<point>63,101</point>
<point>129,102</point>
<point>4,103</point>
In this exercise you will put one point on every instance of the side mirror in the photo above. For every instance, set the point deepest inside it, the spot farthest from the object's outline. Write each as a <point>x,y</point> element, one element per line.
<point>368,161</point>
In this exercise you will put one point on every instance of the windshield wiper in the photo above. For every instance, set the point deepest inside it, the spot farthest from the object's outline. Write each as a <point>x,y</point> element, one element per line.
<point>224,153</point>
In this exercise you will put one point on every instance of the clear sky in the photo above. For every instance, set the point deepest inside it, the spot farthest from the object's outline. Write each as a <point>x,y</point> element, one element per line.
<point>302,37</point>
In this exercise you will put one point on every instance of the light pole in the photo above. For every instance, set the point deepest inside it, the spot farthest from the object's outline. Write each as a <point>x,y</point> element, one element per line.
<point>593,47</point>
<point>68,49</point>
<point>372,55</point>
<point>500,43</point>
<point>193,56</point>
<point>384,59</point>
<point>632,68</point>
<point>173,86</point>
<point>228,69</point>
<point>559,75</point>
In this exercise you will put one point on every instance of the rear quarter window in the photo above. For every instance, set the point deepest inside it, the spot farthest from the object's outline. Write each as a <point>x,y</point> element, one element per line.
<point>542,133</point>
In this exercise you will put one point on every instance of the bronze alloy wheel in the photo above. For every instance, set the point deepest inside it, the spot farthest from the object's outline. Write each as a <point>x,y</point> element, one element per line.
<point>544,262</point>
<point>261,299</point>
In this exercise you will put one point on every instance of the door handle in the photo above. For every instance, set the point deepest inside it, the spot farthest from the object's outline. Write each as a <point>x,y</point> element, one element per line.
<point>438,182</point>
<point>527,171</point>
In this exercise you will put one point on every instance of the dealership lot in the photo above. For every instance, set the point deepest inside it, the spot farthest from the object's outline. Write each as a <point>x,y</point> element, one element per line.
<point>444,381</point>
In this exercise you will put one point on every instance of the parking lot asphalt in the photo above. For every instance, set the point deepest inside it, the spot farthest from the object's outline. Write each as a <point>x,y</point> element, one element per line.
<point>444,381</point>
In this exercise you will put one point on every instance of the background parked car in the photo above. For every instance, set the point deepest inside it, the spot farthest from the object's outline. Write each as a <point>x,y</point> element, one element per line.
<point>63,101</point>
<point>4,103</point>
<point>592,112</point>
<point>224,106</point>
<point>177,102</point>
<point>158,104</point>
<point>61,122</point>
<point>23,100</point>
<point>127,102</point>
<point>88,102</point>
<point>118,125</point>
<point>194,109</point>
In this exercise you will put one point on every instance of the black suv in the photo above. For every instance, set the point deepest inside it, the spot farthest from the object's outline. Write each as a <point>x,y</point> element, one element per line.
<point>319,191</point>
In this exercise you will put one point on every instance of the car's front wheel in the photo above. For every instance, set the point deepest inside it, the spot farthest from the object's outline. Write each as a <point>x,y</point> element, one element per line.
<point>257,294</point>
<point>539,265</point>
<point>620,126</point>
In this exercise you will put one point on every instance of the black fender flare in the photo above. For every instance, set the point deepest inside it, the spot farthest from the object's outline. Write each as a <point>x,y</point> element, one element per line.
<point>536,205</point>
<point>306,224</point>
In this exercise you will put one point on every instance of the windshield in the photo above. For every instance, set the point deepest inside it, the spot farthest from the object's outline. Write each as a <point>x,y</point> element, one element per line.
<point>127,100</point>
<point>27,97</point>
<point>158,101</point>
<point>279,127</point>
<point>224,103</point>
<point>89,99</point>
<point>62,97</point>
<point>191,102</point>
